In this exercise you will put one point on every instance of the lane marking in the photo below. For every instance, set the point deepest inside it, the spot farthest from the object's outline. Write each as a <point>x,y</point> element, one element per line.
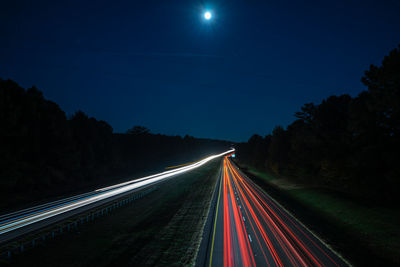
<point>297,220</point>
<point>244,219</point>
<point>250,238</point>
<point>215,222</point>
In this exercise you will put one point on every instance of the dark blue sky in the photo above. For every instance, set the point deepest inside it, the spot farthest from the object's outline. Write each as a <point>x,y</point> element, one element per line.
<point>159,64</point>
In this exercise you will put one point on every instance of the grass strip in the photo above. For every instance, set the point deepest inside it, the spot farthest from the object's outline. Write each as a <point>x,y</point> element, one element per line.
<point>162,228</point>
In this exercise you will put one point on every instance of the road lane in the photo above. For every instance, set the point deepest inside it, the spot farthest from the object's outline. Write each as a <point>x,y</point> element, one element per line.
<point>254,230</point>
<point>40,216</point>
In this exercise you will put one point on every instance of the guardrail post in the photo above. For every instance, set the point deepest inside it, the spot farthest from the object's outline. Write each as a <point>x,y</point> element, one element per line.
<point>22,248</point>
<point>44,237</point>
<point>33,242</point>
<point>9,254</point>
<point>52,234</point>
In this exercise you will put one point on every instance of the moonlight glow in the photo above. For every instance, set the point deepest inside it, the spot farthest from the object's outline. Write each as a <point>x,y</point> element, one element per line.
<point>207,15</point>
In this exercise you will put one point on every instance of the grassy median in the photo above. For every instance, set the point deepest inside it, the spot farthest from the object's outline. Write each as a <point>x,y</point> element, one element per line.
<point>163,228</point>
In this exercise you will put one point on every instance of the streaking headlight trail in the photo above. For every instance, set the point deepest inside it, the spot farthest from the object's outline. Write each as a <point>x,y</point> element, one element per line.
<point>19,219</point>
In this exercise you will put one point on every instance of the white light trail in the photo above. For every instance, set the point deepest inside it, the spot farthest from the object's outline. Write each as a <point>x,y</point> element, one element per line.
<point>102,194</point>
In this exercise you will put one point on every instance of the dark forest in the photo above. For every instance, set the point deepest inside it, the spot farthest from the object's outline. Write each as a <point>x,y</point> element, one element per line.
<point>44,154</point>
<point>346,143</point>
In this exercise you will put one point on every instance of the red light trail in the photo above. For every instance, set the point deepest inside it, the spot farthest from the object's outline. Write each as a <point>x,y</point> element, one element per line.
<point>258,231</point>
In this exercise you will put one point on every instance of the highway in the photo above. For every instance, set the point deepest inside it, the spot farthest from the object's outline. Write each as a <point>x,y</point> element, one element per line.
<point>18,223</point>
<point>249,228</point>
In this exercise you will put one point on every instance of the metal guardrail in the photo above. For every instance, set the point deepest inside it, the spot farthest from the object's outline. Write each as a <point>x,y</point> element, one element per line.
<point>32,240</point>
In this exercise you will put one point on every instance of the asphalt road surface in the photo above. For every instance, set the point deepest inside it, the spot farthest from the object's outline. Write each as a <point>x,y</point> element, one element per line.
<point>249,228</point>
<point>18,223</point>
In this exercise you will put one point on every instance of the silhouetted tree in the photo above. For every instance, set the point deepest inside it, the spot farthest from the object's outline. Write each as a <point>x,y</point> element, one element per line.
<point>138,130</point>
<point>346,143</point>
<point>384,92</point>
<point>43,154</point>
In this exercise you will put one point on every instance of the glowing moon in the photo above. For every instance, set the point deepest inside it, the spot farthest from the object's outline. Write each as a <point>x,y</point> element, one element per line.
<point>207,15</point>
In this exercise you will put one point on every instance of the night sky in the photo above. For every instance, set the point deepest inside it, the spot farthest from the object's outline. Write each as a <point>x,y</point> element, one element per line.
<point>161,65</point>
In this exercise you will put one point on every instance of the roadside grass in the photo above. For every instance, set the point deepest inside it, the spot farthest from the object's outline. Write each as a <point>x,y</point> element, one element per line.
<point>163,228</point>
<point>258,173</point>
<point>376,227</point>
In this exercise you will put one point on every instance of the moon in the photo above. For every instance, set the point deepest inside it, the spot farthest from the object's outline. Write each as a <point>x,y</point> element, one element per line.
<point>207,15</point>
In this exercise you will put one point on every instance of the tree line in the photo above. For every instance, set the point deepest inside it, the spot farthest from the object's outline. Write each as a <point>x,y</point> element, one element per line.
<point>44,154</point>
<point>345,143</point>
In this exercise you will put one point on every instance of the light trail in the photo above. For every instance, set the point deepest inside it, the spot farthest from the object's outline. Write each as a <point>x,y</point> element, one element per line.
<point>20,219</point>
<point>257,198</point>
<point>258,231</point>
<point>231,208</point>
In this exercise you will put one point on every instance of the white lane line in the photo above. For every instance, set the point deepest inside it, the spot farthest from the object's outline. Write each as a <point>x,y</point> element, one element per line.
<point>291,215</point>
<point>250,238</point>
<point>244,219</point>
<point>240,207</point>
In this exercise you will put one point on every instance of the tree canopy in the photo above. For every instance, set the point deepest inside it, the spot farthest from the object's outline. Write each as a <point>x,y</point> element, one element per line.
<point>346,143</point>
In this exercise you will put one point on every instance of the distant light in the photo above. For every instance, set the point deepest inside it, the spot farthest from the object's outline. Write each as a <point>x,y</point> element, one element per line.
<point>207,15</point>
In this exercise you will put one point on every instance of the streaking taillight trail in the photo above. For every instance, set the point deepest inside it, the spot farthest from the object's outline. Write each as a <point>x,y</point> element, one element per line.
<point>258,231</point>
